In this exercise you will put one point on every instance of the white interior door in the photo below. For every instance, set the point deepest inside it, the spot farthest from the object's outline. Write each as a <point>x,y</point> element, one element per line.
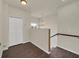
<point>15,31</point>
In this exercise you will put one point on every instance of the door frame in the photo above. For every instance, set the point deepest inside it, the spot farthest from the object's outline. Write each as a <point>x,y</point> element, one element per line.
<point>9,25</point>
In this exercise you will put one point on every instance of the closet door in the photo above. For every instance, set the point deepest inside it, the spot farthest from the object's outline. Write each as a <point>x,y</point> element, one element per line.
<point>15,31</point>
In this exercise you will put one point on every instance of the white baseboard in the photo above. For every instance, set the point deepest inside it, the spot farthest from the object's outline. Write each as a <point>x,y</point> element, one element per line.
<point>6,48</point>
<point>26,42</point>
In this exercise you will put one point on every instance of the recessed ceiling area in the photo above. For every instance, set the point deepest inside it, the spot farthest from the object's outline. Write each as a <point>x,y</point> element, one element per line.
<point>41,8</point>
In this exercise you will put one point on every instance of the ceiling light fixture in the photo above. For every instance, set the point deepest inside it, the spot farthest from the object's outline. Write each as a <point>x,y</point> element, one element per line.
<point>23,2</point>
<point>63,0</point>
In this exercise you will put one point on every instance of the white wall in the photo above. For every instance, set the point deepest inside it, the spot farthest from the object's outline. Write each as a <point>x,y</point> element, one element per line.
<point>68,23</point>
<point>68,19</point>
<point>40,38</point>
<point>1,27</point>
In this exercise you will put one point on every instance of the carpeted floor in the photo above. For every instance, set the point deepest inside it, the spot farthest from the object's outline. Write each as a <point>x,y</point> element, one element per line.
<point>28,50</point>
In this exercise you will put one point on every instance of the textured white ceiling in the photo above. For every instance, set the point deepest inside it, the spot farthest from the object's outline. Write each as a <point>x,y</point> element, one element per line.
<point>41,8</point>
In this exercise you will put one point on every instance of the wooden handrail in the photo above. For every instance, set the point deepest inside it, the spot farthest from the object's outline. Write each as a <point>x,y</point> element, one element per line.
<point>65,35</point>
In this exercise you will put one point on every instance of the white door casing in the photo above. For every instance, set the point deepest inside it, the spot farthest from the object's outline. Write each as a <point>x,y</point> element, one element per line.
<point>15,31</point>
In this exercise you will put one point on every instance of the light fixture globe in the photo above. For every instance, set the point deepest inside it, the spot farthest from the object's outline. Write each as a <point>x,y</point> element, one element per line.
<point>23,2</point>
